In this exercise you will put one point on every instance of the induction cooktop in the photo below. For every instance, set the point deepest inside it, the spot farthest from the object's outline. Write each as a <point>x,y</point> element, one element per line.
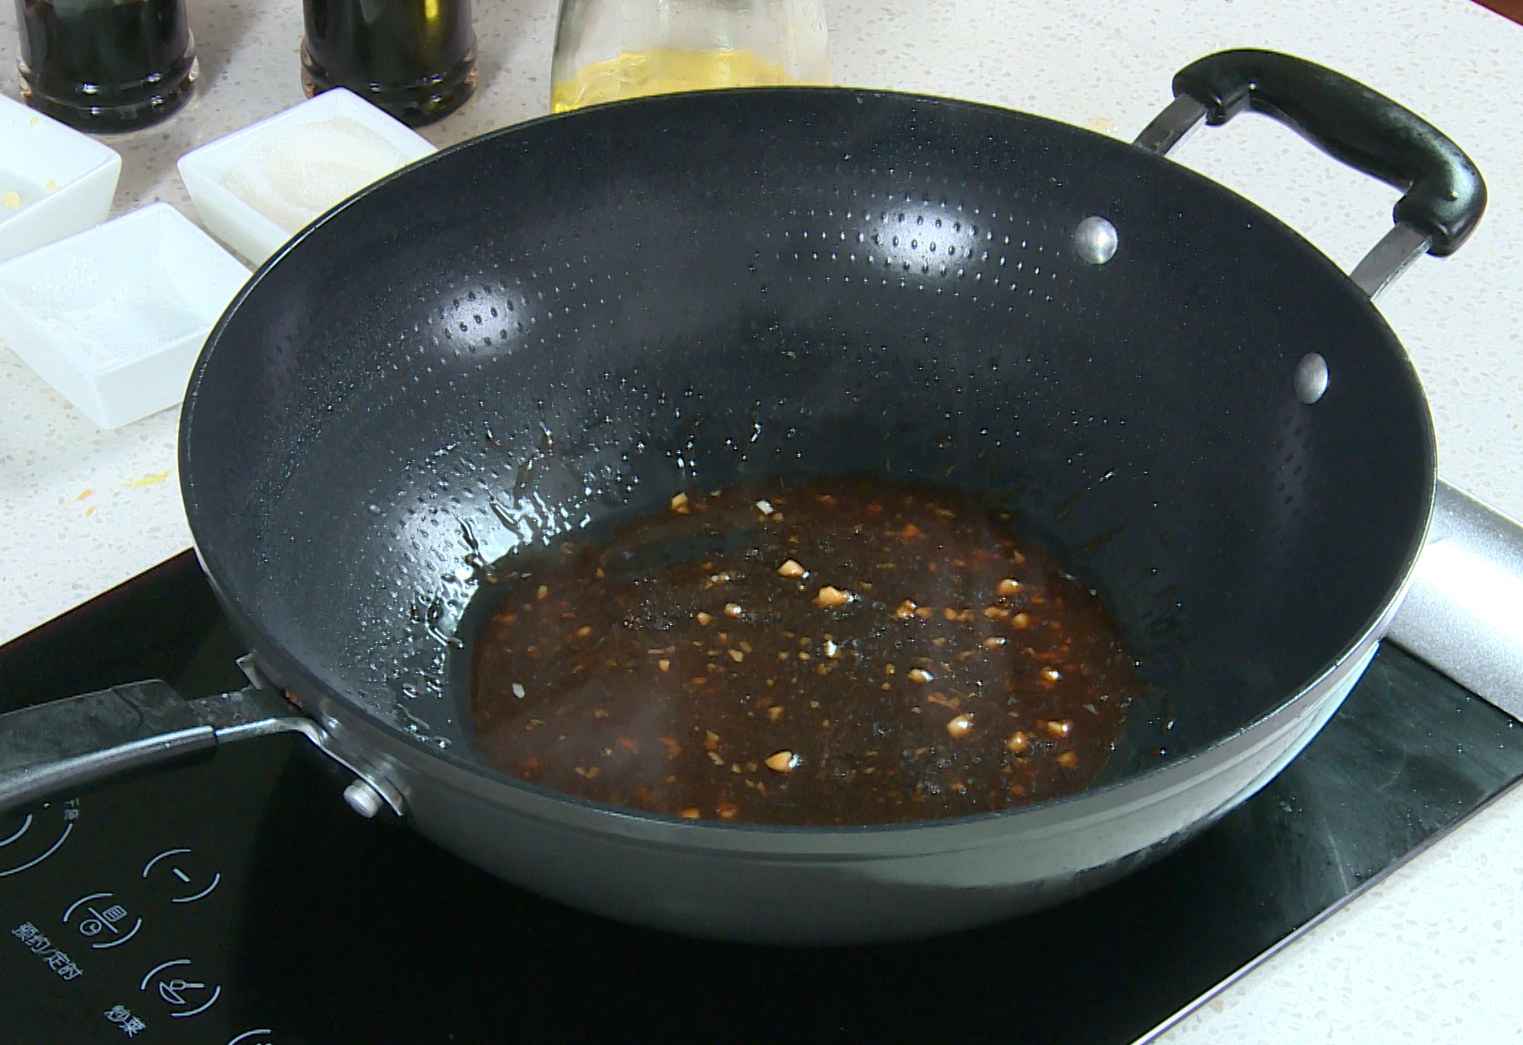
<point>239,901</point>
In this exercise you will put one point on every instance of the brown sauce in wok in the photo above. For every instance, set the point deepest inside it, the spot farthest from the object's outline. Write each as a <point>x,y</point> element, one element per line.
<point>843,652</point>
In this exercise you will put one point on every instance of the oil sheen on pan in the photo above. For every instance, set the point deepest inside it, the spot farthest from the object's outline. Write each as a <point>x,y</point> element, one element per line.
<point>848,651</point>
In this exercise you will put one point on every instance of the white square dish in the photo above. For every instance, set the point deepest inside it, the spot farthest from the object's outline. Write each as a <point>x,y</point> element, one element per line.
<point>259,186</point>
<point>115,316</point>
<point>54,181</point>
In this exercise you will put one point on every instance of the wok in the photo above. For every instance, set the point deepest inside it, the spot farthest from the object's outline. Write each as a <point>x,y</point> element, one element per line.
<point>563,323</point>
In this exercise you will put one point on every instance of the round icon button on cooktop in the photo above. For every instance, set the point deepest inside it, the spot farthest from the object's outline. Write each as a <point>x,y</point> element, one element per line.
<point>27,839</point>
<point>102,920</point>
<point>180,872</point>
<point>180,988</point>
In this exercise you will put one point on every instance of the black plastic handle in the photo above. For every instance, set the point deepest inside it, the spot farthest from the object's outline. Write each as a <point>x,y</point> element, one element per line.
<point>1445,195</point>
<point>72,742</point>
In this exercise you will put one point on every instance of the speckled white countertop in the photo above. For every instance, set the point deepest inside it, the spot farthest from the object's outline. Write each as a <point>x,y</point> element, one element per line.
<point>1432,953</point>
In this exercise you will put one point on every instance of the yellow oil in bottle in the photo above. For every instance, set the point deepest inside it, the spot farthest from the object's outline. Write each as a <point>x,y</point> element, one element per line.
<point>661,71</point>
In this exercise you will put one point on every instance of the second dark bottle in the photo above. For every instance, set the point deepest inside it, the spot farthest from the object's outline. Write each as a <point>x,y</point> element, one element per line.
<point>106,66</point>
<point>416,59</point>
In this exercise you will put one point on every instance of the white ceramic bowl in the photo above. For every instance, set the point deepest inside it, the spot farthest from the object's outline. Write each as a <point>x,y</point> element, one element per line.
<point>115,316</point>
<point>54,181</point>
<point>257,187</point>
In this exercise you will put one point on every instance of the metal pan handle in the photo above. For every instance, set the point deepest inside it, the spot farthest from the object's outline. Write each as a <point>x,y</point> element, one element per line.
<point>1444,193</point>
<point>51,747</point>
<point>80,740</point>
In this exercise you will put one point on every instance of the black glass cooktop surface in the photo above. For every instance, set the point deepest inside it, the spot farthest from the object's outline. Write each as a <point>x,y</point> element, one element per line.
<point>239,900</point>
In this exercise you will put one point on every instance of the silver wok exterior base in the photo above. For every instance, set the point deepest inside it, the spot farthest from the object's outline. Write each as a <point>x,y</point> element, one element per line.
<point>838,886</point>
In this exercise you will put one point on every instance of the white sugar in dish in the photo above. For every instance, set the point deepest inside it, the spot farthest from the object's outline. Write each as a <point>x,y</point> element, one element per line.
<point>110,316</point>
<point>114,317</point>
<point>258,186</point>
<point>295,174</point>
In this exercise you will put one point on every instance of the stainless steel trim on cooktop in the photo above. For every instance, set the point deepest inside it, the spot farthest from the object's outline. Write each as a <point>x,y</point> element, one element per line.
<point>1463,613</point>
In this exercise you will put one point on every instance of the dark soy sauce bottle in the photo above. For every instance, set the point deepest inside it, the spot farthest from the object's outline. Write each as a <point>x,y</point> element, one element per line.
<point>416,59</point>
<point>105,65</point>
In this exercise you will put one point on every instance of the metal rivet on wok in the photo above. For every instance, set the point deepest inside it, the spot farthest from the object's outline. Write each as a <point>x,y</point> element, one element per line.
<point>363,799</point>
<point>1096,240</point>
<point>1311,378</point>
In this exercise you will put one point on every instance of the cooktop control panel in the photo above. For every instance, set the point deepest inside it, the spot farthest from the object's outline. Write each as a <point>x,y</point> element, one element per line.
<point>117,907</point>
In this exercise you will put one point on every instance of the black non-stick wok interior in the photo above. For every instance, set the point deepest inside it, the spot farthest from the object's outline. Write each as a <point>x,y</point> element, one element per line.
<point>551,328</point>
